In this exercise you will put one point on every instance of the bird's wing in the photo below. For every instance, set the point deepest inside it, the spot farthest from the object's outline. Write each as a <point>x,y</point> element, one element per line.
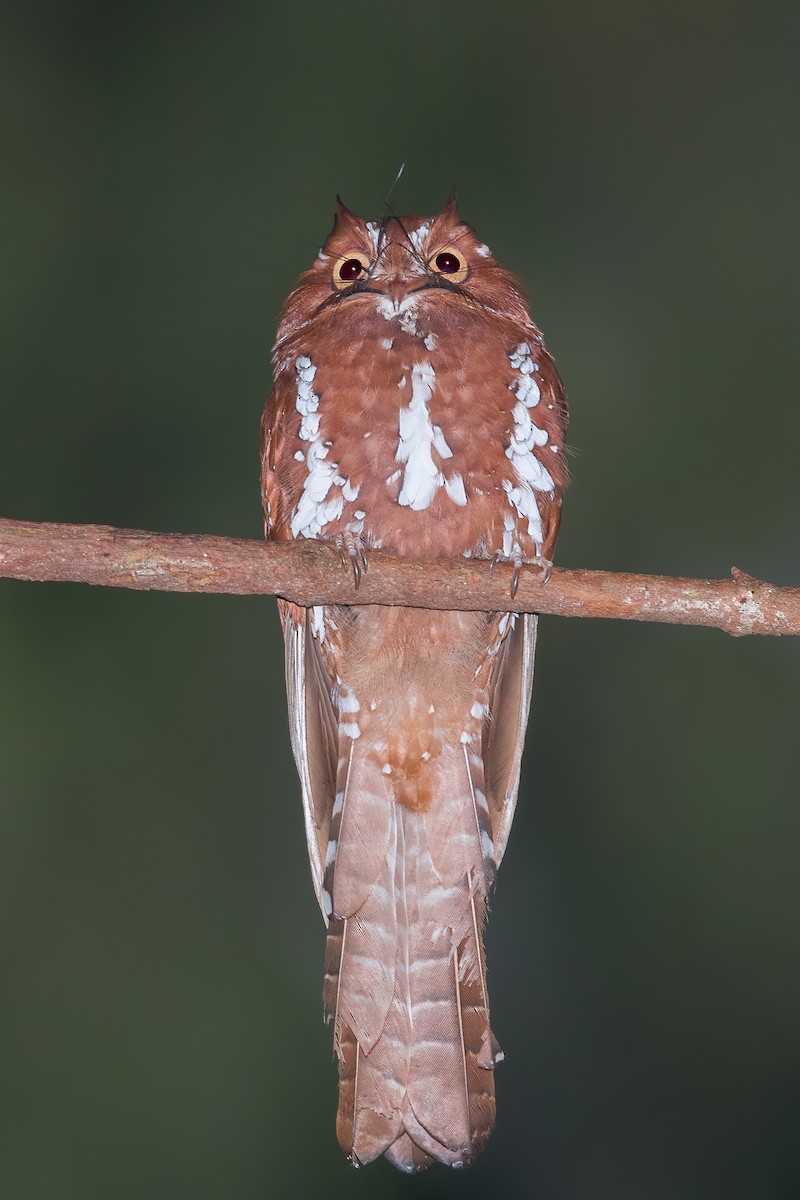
<point>313,725</point>
<point>504,735</point>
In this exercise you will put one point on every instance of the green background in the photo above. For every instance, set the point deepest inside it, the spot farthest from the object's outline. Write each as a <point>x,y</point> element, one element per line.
<point>167,170</point>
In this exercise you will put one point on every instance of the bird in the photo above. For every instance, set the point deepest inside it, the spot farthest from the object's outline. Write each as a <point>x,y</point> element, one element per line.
<point>415,410</point>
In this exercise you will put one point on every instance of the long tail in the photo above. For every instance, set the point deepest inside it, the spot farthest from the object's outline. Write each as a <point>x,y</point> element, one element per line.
<point>405,975</point>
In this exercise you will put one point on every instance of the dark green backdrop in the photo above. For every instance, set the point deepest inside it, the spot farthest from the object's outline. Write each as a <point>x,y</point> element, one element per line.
<point>167,169</point>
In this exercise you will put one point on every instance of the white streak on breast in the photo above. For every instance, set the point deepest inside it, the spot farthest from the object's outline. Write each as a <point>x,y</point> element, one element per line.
<point>531,476</point>
<point>418,437</point>
<point>321,500</point>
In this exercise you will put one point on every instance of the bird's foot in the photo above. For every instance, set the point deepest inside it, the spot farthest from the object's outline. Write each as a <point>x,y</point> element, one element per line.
<point>353,552</point>
<point>518,561</point>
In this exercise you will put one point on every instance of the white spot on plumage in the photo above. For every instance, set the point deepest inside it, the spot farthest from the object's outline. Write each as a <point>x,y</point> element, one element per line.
<point>454,486</point>
<point>425,755</point>
<point>465,738</point>
<point>387,343</point>
<point>300,457</point>
<point>359,514</point>
<point>350,491</point>
<point>327,905</point>
<point>510,544</point>
<point>348,701</point>
<point>484,251</point>
<point>526,434</point>
<point>331,852</point>
<point>395,475</point>
<point>525,388</point>
<point>408,318</point>
<point>431,708</point>
<point>374,231</point>
<point>504,622</point>
<point>429,341</point>
<point>478,710</point>
<point>524,501</point>
<point>404,311</point>
<point>318,622</point>
<point>350,729</point>
<point>417,237</point>
<point>440,443</point>
<point>386,769</point>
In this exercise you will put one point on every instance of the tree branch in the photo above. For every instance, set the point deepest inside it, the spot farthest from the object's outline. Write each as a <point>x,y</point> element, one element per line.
<point>310,573</point>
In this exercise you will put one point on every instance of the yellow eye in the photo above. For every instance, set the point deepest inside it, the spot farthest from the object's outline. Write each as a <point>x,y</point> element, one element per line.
<point>349,268</point>
<point>450,263</point>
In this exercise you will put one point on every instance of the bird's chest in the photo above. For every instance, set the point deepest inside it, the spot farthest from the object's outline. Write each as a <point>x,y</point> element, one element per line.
<point>399,432</point>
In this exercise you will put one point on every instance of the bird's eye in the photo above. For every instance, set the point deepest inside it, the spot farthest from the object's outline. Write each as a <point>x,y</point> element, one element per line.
<point>349,268</point>
<point>450,263</point>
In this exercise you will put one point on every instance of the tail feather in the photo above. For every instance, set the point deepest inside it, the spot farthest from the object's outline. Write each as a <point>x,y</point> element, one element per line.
<point>405,978</point>
<point>407,1156</point>
<point>360,830</point>
<point>454,825</point>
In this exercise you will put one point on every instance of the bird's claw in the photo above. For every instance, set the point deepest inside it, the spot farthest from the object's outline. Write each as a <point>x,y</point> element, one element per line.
<point>352,552</point>
<point>518,562</point>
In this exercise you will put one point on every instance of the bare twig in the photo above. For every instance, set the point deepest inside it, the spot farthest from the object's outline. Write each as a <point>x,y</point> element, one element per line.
<point>311,573</point>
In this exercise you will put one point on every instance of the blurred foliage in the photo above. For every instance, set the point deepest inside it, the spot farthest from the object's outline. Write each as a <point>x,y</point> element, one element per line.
<point>167,170</point>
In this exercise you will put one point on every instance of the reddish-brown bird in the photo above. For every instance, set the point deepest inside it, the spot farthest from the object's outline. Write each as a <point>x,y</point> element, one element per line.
<point>415,409</point>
